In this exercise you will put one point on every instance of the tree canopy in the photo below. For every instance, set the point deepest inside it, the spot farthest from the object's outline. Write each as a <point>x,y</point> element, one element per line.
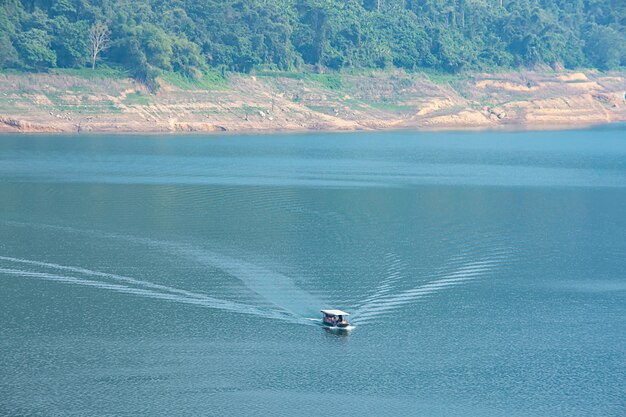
<point>190,36</point>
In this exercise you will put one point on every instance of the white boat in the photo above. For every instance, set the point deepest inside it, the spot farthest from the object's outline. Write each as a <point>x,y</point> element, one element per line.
<point>335,319</point>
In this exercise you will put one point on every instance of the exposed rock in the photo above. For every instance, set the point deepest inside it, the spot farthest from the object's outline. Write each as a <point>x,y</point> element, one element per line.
<point>434,104</point>
<point>496,113</point>
<point>11,124</point>
<point>504,85</point>
<point>372,101</point>
<point>464,119</point>
<point>576,76</point>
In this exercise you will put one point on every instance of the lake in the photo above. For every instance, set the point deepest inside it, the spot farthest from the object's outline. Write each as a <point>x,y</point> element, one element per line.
<point>183,275</point>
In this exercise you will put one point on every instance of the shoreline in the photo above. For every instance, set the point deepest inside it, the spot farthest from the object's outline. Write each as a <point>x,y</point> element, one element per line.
<point>283,103</point>
<point>263,132</point>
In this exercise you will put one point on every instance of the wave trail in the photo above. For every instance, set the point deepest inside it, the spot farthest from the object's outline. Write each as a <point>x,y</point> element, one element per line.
<point>279,289</point>
<point>116,277</point>
<point>276,288</point>
<point>172,294</point>
<point>381,303</point>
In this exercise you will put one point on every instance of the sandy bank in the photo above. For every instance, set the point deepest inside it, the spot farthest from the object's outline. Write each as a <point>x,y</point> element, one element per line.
<point>287,102</point>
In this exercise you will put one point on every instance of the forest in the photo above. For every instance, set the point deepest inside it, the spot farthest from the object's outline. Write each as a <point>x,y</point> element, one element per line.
<point>146,37</point>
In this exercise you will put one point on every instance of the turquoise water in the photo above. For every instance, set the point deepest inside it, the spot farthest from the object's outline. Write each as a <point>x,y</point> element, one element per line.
<point>180,275</point>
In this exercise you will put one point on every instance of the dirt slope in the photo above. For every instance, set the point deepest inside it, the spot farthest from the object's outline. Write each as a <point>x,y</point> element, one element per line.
<point>296,102</point>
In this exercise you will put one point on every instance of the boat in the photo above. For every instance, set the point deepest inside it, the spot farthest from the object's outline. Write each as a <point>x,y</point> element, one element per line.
<point>335,319</point>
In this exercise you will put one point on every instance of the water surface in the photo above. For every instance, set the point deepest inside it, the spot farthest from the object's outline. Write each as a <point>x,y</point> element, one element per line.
<point>178,275</point>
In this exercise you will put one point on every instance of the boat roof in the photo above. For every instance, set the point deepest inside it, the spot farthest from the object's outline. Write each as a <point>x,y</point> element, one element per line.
<point>335,312</point>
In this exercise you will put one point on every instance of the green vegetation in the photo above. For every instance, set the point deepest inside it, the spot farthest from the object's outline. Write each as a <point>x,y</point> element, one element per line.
<point>328,81</point>
<point>392,106</point>
<point>100,72</point>
<point>209,80</point>
<point>440,78</point>
<point>192,43</point>
<point>137,98</point>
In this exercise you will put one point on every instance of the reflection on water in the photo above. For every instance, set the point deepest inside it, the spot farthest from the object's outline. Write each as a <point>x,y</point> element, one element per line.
<point>484,274</point>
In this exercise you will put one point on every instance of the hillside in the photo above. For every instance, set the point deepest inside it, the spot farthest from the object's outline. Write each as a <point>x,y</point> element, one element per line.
<point>190,37</point>
<point>249,65</point>
<point>270,101</point>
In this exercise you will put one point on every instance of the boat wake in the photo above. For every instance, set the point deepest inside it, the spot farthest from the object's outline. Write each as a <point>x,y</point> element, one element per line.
<point>385,301</point>
<point>123,284</point>
<point>284,300</point>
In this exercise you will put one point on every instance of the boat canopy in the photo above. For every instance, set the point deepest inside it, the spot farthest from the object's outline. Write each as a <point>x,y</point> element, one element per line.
<point>335,313</point>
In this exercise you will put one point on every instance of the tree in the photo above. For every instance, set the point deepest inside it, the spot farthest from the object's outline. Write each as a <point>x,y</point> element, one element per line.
<point>8,54</point>
<point>34,46</point>
<point>186,58</point>
<point>69,43</point>
<point>99,37</point>
<point>187,36</point>
<point>605,47</point>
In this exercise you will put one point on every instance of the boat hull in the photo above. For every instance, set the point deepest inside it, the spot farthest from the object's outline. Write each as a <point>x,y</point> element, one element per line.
<point>337,327</point>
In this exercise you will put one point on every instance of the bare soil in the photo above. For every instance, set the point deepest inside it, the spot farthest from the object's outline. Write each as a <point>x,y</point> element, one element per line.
<point>296,102</point>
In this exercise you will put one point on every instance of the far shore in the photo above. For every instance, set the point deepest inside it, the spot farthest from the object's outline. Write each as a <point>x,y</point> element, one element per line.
<point>286,102</point>
<point>511,128</point>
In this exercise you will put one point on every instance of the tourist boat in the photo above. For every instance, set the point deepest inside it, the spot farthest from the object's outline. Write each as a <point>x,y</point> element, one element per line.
<point>335,319</point>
